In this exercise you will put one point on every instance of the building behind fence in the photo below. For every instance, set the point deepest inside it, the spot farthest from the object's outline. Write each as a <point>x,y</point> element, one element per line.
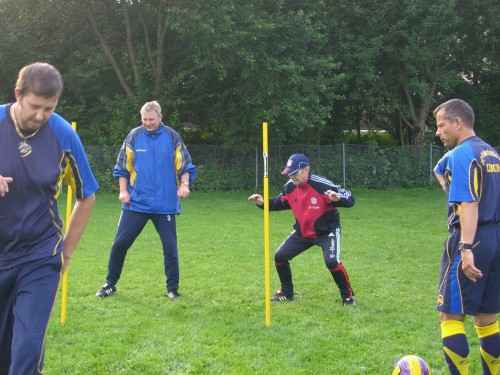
<point>353,166</point>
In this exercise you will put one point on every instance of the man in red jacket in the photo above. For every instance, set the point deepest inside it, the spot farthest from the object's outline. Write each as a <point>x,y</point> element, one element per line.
<point>314,201</point>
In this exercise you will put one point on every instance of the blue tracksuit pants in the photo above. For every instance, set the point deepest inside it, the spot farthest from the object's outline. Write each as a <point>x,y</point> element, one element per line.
<point>130,226</point>
<point>27,295</point>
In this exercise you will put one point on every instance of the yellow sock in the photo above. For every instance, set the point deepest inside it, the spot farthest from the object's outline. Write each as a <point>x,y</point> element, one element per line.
<point>455,346</point>
<point>489,338</point>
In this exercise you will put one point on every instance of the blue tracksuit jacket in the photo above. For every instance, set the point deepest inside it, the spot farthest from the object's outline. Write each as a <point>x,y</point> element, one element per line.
<point>153,163</point>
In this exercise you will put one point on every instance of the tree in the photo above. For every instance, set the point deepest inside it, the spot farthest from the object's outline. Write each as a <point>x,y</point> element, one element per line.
<point>421,60</point>
<point>251,63</point>
<point>219,68</point>
<point>480,71</point>
<point>397,54</point>
<point>137,32</point>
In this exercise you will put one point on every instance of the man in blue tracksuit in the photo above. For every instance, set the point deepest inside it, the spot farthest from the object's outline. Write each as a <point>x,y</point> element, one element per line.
<point>154,170</point>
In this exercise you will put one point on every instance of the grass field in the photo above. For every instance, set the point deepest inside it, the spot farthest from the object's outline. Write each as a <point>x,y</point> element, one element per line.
<point>391,247</point>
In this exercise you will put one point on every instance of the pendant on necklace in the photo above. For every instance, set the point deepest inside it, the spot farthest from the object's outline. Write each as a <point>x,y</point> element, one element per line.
<point>24,148</point>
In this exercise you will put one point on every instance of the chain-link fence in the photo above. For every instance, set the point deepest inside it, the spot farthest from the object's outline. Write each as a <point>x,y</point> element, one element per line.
<point>353,166</point>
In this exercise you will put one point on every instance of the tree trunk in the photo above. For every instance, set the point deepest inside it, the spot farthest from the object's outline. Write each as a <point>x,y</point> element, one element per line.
<point>130,44</point>
<point>107,50</point>
<point>417,124</point>
<point>161,33</point>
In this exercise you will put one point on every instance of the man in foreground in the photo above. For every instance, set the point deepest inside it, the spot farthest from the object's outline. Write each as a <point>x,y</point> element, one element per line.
<point>38,149</point>
<point>470,268</point>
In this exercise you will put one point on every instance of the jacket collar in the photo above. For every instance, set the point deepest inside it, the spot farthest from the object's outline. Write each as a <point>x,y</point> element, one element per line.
<point>158,131</point>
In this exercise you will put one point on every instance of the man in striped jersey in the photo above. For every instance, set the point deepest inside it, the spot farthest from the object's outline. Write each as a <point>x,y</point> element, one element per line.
<point>469,282</point>
<point>314,201</point>
<point>38,150</point>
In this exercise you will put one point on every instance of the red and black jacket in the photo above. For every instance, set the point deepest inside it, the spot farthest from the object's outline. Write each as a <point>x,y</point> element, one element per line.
<point>315,214</point>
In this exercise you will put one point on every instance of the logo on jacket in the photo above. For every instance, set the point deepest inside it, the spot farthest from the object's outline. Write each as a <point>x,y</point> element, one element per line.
<point>141,150</point>
<point>314,204</point>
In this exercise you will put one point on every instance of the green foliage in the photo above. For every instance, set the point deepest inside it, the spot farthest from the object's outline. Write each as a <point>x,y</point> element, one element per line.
<point>220,68</point>
<point>262,65</point>
<point>102,161</point>
<point>402,58</point>
<point>218,325</point>
<point>392,168</point>
<point>371,138</point>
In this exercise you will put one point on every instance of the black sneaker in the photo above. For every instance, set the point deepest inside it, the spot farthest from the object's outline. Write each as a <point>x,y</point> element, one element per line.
<point>279,297</point>
<point>348,301</point>
<point>106,290</point>
<point>172,294</point>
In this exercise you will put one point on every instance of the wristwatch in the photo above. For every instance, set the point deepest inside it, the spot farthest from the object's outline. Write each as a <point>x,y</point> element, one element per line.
<point>464,246</point>
<point>185,183</point>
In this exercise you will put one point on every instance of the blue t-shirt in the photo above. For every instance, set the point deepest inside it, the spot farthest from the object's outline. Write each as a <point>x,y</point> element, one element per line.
<point>474,169</point>
<point>440,168</point>
<point>30,225</point>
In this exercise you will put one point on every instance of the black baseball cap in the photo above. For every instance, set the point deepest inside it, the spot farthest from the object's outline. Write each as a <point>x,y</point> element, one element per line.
<point>294,163</point>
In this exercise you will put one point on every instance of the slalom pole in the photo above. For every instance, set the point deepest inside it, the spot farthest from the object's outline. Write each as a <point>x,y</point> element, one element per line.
<point>69,206</point>
<point>267,277</point>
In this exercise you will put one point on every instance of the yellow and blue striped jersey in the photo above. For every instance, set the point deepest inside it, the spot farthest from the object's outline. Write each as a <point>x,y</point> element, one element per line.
<point>30,225</point>
<point>474,172</point>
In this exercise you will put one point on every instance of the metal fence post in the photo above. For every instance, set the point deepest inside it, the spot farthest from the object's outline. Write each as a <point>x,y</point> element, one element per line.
<point>343,162</point>
<point>256,166</point>
<point>430,164</point>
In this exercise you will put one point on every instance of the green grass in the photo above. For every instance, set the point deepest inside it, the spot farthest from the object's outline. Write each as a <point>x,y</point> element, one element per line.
<point>391,247</point>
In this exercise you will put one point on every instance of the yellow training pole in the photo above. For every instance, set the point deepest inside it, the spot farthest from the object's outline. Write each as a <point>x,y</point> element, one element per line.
<point>69,207</point>
<point>267,276</point>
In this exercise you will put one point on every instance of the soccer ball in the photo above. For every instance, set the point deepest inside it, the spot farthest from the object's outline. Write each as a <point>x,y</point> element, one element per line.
<point>411,365</point>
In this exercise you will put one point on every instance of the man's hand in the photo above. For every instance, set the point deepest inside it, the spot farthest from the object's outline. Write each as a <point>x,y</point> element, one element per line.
<point>333,196</point>
<point>124,197</point>
<point>4,185</point>
<point>183,191</point>
<point>468,266</point>
<point>257,198</point>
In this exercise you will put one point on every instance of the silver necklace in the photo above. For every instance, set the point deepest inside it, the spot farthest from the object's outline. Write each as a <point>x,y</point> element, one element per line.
<point>24,147</point>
